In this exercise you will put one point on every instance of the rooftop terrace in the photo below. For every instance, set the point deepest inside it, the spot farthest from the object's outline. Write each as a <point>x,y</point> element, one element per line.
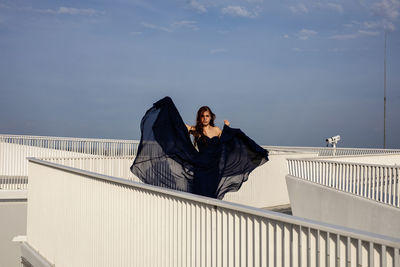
<point>85,208</point>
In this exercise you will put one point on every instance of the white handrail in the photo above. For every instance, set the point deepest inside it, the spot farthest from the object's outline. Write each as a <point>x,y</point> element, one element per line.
<point>377,182</point>
<point>106,221</point>
<point>15,148</point>
<point>65,138</point>
<point>330,151</point>
<point>112,166</point>
<point>13,182</point>
<point>104,147</point>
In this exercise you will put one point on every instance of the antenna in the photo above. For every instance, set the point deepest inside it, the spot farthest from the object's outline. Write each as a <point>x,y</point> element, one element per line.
<point>384,96</point>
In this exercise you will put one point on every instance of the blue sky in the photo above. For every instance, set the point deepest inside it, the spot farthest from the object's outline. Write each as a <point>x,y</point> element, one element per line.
<point>285,72</point>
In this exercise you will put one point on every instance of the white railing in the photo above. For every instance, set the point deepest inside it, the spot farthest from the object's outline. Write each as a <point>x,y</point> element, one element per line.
<point>112,166</point>
<point>101,147</point>
<point>377,182</point>
<point>13,182</point>
<point>330,151</point>
<point>14,149</point>
<point>265,186</point>
<point>77,218</point>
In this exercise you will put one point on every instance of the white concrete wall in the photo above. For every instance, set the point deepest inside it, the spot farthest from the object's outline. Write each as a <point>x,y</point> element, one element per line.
<point>76,218</point>
<point>266,186</point>
<point>113,166</point>
<point>382,159</point>
<point>317,202</point>
<point>13,157</point>
<point>12,223</point>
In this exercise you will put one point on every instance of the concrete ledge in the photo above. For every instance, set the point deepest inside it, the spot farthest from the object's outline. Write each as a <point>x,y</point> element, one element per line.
<point>33,257</point>
<point>13,195</point>
<point>321,203</point>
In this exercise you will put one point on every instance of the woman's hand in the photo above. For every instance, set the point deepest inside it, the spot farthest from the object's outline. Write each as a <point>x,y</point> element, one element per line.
<point>227,123</point>
<point>189,128</point>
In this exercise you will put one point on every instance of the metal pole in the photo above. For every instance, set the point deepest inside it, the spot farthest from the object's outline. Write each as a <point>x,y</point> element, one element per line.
<point>384,97</point>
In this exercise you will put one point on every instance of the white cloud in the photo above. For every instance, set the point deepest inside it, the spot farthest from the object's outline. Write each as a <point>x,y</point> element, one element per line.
<point>197,6</point>
<point>71,11</point>
<point>156,27</point>
<point>304,8</point>
<point>218,51</point>
<point>239,12</point>
<point>296,49</point>
<point>387,8</point>
<point>76,11</point>
<point>344,36</point>
<point>383,24</point>
<point>371,24</point>
<point>285,36</point>
<point>136,33</point>
<point>359,34</point>
<point>333,6</point>
<point>368,33</point>
<point>387,25</point>
<point>299,9</point>
<point>305,34</point>
<point>185,24</point>
<point>192,25</point>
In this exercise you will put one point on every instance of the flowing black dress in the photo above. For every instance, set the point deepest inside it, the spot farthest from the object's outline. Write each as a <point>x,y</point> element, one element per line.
<point>166,156</point>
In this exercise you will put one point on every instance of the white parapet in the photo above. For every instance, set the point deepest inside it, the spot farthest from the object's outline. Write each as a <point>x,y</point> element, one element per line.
<point>112,166</point>
<point>15,148</point>
<point>381,159</point>
<point>78,218</point>
<point>372,181</point>
<point>266,186</point>
<point>323,203</point>
<point>338,151</point>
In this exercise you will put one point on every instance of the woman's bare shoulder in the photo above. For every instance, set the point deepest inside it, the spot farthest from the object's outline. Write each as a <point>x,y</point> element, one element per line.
<point>217,130</point>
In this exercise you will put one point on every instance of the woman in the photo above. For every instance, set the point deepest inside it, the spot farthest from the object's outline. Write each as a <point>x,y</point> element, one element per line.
<point>206,139</point>
<point>167,158</point>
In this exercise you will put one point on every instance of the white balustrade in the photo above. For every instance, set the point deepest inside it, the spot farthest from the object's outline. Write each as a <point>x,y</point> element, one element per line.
<point>13,182</point>
<point>77,218</point>
<point>330,151</point>
<point>14,149</point>
<point>377,182</point>
<point>113,166</point>
<point>265,187</point>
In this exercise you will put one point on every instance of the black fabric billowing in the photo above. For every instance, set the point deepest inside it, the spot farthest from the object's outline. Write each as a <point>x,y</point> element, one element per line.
<point>166,156</point>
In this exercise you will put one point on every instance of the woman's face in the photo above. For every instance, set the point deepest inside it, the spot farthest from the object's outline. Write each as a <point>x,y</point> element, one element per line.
<point>205,118</point>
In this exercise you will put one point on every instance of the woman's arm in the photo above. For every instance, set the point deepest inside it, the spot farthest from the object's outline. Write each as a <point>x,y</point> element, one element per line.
<point>227,123</point>
<point>189,128</point>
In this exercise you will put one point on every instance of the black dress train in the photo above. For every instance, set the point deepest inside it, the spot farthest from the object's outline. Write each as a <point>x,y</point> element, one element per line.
<point>166,156</point>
